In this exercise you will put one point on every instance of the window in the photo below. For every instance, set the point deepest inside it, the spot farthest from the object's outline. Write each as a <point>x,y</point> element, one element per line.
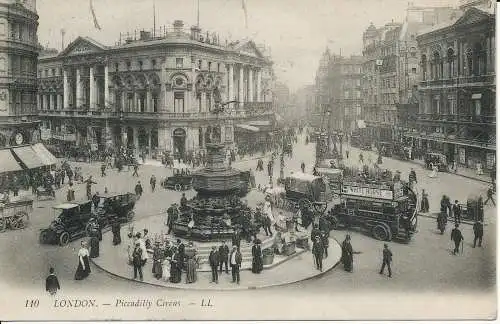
<point>53,72</point>
<point>116,67</point>
<point>140,65</point>
<point>218,67</point>
<point>153,63</point>
<point>155,102</point>
<point>209,102</point>
<point>46,73</point>
<point>414,70</point>
<point>129,65</point>
<point>130,101</point>
<point>209,66</point>
<point>142,102</point>
<point>199,64</point>
<point>178,101</point>
<point>198,99</point>
<point>179,63</point>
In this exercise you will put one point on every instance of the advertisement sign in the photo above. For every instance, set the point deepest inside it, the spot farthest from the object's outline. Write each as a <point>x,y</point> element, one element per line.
<point>367,192</point>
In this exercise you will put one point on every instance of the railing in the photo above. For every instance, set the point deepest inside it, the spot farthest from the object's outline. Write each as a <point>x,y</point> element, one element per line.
<point>458,118</point>
<point>457,81</point>
<point>64,137</point>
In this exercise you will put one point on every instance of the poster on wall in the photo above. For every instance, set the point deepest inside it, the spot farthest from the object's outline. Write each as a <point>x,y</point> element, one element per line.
<point>461,155</point>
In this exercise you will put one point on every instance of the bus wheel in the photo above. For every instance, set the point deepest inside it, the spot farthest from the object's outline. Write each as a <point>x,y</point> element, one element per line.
<point>380,233</point>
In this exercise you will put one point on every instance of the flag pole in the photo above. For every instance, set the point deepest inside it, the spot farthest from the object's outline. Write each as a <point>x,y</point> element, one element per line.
<point>198,15</point>
<point>154,18</point>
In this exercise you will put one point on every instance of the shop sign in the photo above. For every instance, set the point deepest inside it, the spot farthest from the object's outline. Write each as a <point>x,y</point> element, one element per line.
<point>461,155</point>
<point>367,192</point>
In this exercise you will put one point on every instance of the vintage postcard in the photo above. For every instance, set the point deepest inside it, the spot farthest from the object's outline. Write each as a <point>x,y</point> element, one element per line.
<point>247,160</point>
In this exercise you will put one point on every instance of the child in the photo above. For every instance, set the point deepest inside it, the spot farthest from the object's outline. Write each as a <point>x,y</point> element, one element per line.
<point>51,283</point>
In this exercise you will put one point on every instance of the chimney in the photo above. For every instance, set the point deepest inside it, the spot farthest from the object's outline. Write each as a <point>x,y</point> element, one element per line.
<point>195,33</point>
<point>144,35</point>
<point>178,25</point>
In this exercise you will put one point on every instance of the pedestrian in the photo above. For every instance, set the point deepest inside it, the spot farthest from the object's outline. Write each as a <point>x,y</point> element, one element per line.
<point>103,170</point>
<point>361,160</point>
<point>424,205</point>
<point>236,238</point>
<point>235,260</point>
<point>136,168</point>
<point>303,167</point>
<point>325,241</point>
<point>223,256</point>
<point>412,178</point>
<point>214,260</point>
<point>137,261</point>
<point>489,197</point>
<point>95,200</point>
<point>70,196</point>
<point>191,276</point>
<point>52,283</point>
<point>175,266</point>
<point>152,182</point>
<point>318,251</point>
<point>478,232</point>
<point>115,229</point>
<point>94,244</point>
<point>257,261</point>
<point>83,269</point>
<point>457,212</point>
<point>456,237</point>
<point>89,182</point>
<point>347,253</point>
<point>386,260</point>
<point>347,154</point>
<point>138,189</point>
<point>157,261</point>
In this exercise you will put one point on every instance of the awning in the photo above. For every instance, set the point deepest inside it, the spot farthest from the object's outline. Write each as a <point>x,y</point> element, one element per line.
<point>476,96</point>
<point>7,162</point>
<point>28,156</point>
<point>248,127</point>
<point>44,154</point>
<point>260,123</point>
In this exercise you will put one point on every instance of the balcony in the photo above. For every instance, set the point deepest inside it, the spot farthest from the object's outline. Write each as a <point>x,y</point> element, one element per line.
<point>479,80</point>
<point>472,119</point>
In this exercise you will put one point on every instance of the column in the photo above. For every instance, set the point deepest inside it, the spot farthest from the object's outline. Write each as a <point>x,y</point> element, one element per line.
<point>240,87</point>
<point>259,85</point>
<point>203,102</point>
<point>148,135</point>
<point>488,55</point>
<point>106,86</point>
<point>65,90</point>
<point>78,88</point>
<point>250,84</point>
<point>135,107</point>
<point>230,86</point>
<point>124,103</point>
<point>91,88</point>
<point>148,101</point>
<point>136,140</point>
<point>39,101</point>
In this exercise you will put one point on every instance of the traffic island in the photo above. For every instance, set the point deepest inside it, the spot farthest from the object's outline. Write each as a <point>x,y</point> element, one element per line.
<point>284,270</point>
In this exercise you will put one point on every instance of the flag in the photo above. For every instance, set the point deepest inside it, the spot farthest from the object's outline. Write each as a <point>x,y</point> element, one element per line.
<point>244,7</point>
<point>96,23</point>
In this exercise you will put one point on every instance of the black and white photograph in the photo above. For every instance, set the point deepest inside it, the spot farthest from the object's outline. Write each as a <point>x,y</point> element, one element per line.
<point>248,160</point>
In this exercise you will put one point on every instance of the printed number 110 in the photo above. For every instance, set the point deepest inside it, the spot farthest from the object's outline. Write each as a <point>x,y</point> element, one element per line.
<point>32,303</point>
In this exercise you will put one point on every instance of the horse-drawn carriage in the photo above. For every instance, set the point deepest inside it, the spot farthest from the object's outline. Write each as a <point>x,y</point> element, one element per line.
<point>181,179</point>
<point>15,214</point>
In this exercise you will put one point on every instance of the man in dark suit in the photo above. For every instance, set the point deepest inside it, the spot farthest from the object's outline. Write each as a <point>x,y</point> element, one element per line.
<point>213,259</point>
<point>318,251</point>
<point>236,239</point>
<point>478,232</point>
<point>181,248</point>
<point>235,260</point>
<point>457,212</point>
<point>51,282</point>
<point>456,237</point>
<point>386,260</point>
<point>223,256</point>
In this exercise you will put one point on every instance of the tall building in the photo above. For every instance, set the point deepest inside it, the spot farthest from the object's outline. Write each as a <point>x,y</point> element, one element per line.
<point>457,112</point>
<point>156,92</point>
<point>391,69</point>
<point>18,61</point>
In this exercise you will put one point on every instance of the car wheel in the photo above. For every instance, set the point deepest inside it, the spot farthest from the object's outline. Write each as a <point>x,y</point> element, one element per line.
<point>64,239</point>
<point>380,233</point>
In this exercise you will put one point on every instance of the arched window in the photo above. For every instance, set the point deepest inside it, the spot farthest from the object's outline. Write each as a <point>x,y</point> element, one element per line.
<point>424,67</point>
<point>437,66</point>
<point>451,63</point>
<point>479,59</point>
<point>470,61</point>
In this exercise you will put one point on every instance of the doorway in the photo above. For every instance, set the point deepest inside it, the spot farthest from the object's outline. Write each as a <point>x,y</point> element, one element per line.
<point>179,136</point>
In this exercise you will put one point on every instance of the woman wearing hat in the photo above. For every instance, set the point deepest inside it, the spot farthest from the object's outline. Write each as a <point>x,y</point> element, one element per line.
<point>83,269</point>
<point>257,261</point>
<point>157,260</point>
<point>346,258</point>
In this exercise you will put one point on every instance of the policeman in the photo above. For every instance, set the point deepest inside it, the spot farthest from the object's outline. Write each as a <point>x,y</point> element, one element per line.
<point>478,232</point>
<point>456,237</point>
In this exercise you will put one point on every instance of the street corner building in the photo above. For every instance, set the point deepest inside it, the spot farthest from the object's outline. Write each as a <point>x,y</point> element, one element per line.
<point>457,113</point>
<point>156,92</point>
<point>19,123</point>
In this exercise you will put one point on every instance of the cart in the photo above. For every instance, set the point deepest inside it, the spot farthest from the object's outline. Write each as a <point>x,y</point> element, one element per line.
<point>15,214</point>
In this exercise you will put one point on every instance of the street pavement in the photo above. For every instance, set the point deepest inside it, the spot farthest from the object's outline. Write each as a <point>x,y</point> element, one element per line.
<point>425,264</point>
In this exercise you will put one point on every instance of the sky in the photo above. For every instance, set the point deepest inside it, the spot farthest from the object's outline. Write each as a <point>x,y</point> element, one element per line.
<point>296,31</point>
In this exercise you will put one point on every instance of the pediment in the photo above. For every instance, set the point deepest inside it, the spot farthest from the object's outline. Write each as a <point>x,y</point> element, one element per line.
<point>82,46</point>
<point>249,48</point>
<point>471,16</point>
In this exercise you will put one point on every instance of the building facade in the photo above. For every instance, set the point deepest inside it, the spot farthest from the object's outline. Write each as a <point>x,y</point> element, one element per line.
<point>18,61</point>
<point>155,93</point>
<point>457,112</point>
<point>391,69</point>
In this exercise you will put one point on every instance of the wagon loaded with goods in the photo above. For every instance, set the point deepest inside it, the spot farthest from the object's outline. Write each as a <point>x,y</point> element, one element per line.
<point>15,214</point>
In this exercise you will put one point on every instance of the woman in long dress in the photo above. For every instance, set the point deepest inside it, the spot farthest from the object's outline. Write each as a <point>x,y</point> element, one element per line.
<point>433,173</point>
<point>175,267</point>
<point>257,261</point>
<point>157,261</point>
<point>94,245</point>
<point>346,258</point>
<point>83,269</point>
<point>166,269</point>
<point>191,276</point>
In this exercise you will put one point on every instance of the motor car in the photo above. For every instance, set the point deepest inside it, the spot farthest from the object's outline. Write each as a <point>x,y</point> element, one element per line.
<point>115,205</point>
<point>181,179</point>
<point>70,223</point>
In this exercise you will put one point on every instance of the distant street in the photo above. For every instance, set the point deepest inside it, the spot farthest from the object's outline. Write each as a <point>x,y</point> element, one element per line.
<point>425,263</point>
